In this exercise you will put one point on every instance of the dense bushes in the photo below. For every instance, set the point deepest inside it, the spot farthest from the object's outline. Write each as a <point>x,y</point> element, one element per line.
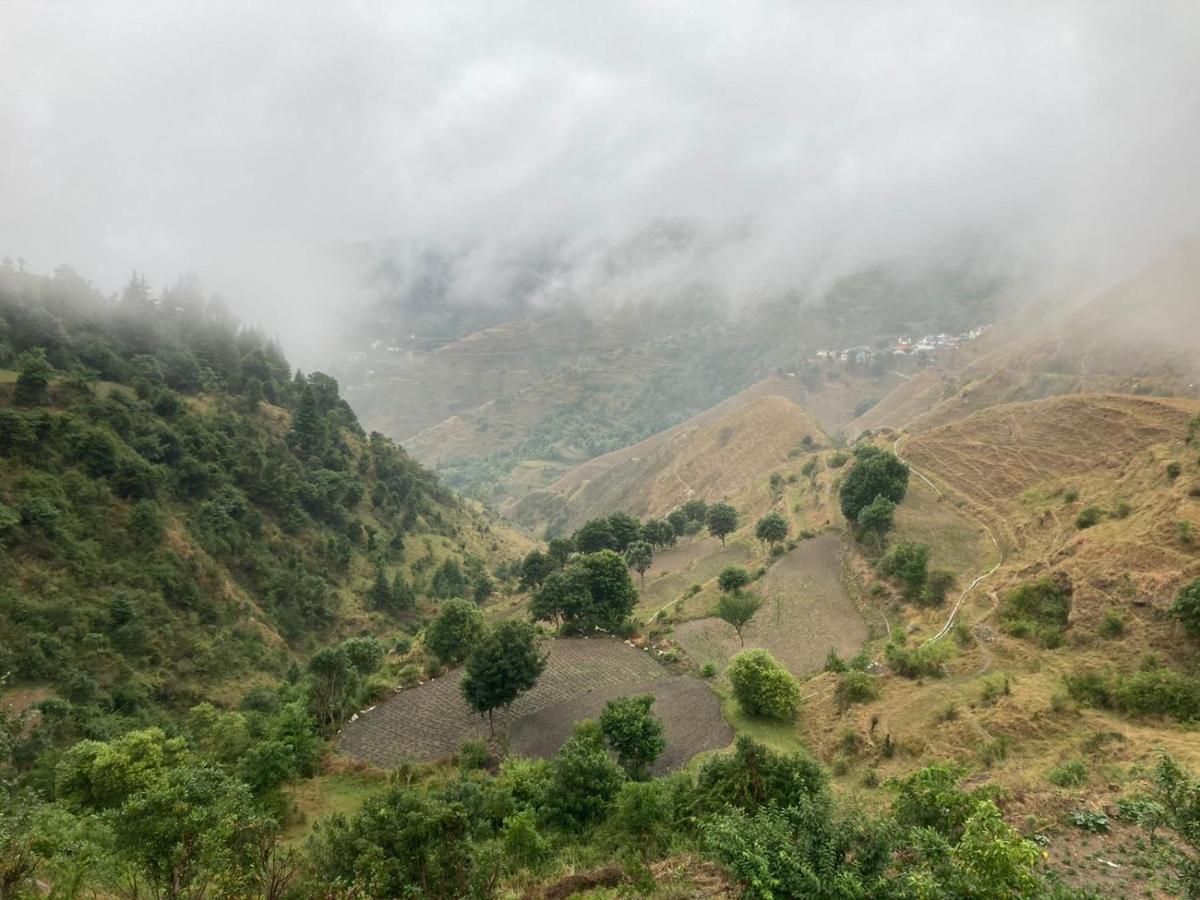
<point>1157,691</point>
<point>875,473</point>
<point>1038,611</point>
<point>762,686</point>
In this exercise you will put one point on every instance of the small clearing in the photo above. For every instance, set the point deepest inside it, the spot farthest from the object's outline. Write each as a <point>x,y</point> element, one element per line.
<point>806,614</point>
<point>432,721</point>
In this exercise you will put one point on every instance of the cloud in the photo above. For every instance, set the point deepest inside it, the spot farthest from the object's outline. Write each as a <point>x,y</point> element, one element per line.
<point>245,139</point>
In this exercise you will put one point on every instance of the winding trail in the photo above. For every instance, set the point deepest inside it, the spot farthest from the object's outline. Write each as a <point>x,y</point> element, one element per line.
<point>945,629</point>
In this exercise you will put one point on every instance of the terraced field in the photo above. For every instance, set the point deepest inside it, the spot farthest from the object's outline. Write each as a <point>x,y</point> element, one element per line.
<point>432,721</point>
<point>806,613</point>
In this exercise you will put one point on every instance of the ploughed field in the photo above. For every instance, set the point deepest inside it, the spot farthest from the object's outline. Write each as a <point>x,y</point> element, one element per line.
<point>431,721</point>
<point>806,613</point>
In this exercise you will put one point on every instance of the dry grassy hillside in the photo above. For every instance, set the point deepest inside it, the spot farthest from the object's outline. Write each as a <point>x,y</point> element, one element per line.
<point>717,454</point>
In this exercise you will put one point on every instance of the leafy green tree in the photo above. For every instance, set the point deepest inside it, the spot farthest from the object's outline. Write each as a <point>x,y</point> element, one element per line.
<point>33,380</point>
<point>875,473</point>
<point>595,536</point>
<point>559,550</point>
<point>625,530</point>
<point>762,686</point>
<point>613,595</point>
<point>737,608</point>
<point>563,597</point>
<point>146,524</point>
<point>584,779</point>
<point>771,529</point>
<point>695,511</point>
<point>380,595</point>
<point>633,733</point>
<point>1186,607</point>
<point>639,555</point>
<point>733,578</point>
<point>722,521</point>
<point>678,521</point>
<point>403,597</point>
<point>449,580</point>
<point>660,533</point>
<point>455,632</point>
<point>504,665</point>
<point>309,431</point>
<point>535,567</point>
<point>877,518</point>
<point>1178,793</point>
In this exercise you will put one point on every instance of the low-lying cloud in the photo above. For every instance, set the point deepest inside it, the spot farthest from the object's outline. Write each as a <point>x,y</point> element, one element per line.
<point>246,140</point>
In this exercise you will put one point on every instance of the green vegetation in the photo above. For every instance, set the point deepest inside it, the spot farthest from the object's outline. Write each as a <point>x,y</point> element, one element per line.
<point>591,591</point>
<point>771,529</point>
<point>927,660</point>
<point>875,473</point>
<point>1152,691</point>
<point>1088,516</point>
<point>855,687</point>
<point>762,686</point>
<point>1186,607</point>
<point>505,664</point>
<point>907,563</point>
<point>1038,611</point>
<point>877,518</point>
<point>1068,775</point>
<point>737,608</point>
<point>455,632</point>
<point>721,520</point>
<point>633,733</point>
<point>733,579</point>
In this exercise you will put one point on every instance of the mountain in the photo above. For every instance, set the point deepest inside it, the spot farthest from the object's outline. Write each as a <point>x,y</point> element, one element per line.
<point>182,516</point>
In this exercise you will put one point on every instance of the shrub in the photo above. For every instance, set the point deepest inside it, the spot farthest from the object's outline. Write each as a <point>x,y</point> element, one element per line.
<point>937,586</point>
<point>1186,607</point>
<point>927,660</point>
<point>875,473</point>
<point>762,686</point>
<point>1088,516</point>
<point>1123,509</point>
<point>1069,774</point>
<point>1037,610</point>
<point>1070,495</point>
<point>1185,533</point>
<point>1155,691</point>
<point>1112,624</point>
<point>1174,470</point>
<point>633,733</point>
<point>709,670</point>
<point>455,632</point>
<point>733,578</point>
<point>856,687</point>
<point>908,564</point>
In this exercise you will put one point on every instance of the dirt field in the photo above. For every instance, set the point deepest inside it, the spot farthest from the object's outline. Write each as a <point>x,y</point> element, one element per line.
<point>806,614</point>
<point>690,711</point>
<point>668,586</point>
<point>432,721</point>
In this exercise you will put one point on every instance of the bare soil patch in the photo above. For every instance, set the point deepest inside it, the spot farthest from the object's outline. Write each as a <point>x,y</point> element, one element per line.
<point>806,614</point>
<point>432,721</point>
<point>690,712</point>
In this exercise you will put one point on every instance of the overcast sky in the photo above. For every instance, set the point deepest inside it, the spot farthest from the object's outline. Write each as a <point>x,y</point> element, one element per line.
<point>239,139</point>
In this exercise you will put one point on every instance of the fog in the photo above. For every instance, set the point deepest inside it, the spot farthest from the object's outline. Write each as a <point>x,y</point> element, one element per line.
<point>249,142</point>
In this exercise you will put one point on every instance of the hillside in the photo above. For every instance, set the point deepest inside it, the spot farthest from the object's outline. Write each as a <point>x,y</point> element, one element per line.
<point>182,516</point>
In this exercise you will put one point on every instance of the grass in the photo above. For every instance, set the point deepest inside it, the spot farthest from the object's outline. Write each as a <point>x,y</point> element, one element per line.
<point>337,792</point>
<point>783,737</point>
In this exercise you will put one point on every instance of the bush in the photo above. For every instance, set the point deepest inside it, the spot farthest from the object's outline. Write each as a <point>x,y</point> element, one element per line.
<point>908,564</point>
<point>455,632</point>
<point>1069,774</point>
<point>1186,607</point>
<point>1155,691</point>
<point>1037,610</point>
<point>709,670</point>
<point>1112,624</point>
<point>875,473</point>
<point>1088,516</point>
<point>762,686</point>
<point>1174,470</point>
<point>856,687</point>
<point>1070,495</point>
<point>928,660</point>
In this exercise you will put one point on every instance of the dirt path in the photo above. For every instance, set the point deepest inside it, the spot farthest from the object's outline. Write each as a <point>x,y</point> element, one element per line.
<point>806,614</point>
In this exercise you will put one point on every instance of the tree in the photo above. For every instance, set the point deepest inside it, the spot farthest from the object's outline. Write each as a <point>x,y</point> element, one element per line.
<point>449,580</point>
<point>660,533</point>
<point>613,595</point>
<point>455,632</point>
<point>595,536</point>
<point>678,521</point>
<point>380,594</point>
<point>639,555</point>
<point>402,593</point>
<point>562,597</point>
<point>33,382</point>
<point>771,529</point>
<point>877,518</point>
<point>733,578</point>
<point>738,608</point>
<point>908,563</point>
<point>625,530</point>
<point>762,686</point>
<point>722,520</point>
<point>1186,608</point>
<point>309,432</point>
<point>633,733</point>
<point>534,569</point>
<point>504,665</point>
<point>584,778</point>
<point>875,473</point>
<point>559,550</point>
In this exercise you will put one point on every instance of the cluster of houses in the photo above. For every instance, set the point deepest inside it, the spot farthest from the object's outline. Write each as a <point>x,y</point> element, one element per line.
<point>904,346</point>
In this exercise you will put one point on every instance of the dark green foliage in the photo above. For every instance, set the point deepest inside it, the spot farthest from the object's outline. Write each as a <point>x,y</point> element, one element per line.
<point>449,580</point>
<point>937,586</point>
<point>33,378</point>
<point>738,608</point>
<point>1156,691</point>
<point>1186,607</point>
<point>875,473</point>
<point>733,578</point>
<point>633,733</point>
<point>927,660</point>
<point>1038,610</point>
<point>504,664</point>
<point>856,687</point>
<point>877,518</point>
<point>534,569</point>
<point>595,536</point>
<point>762,686</point>
<point>584,779</point>
<point>771,529</point>
<point>455,632</point>
<point>593,591</point>
<point>625,530</point>
<point>908,564</point>
<point>1088,516</point>
<point>1178,794</point>
<point>638,555</point>
<point>721,520</point>
<point>750,777</point>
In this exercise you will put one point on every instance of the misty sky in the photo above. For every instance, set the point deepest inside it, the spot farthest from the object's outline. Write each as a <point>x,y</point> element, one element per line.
<point>242,140</point>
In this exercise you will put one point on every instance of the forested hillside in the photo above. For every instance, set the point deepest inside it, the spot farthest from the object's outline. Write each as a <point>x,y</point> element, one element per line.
<point>182,515</point>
